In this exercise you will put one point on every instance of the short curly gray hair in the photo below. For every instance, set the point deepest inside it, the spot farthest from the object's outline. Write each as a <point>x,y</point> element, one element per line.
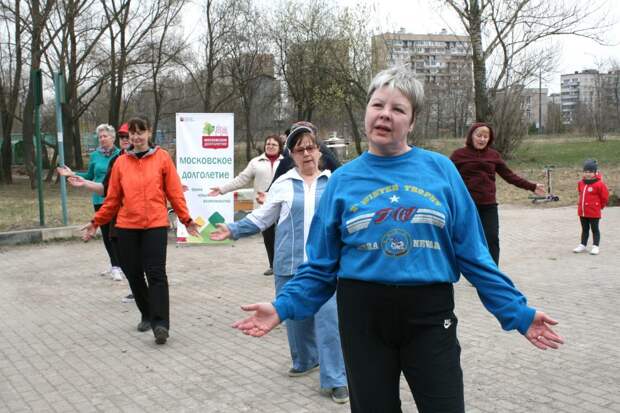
<point>403,79</point>
<point>107,129</point>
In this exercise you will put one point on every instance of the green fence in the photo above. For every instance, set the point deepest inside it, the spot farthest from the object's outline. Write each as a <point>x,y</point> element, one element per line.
<point>89,144</point>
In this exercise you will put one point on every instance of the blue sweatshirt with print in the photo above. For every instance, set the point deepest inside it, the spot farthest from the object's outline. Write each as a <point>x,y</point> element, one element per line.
<point>403,220</point>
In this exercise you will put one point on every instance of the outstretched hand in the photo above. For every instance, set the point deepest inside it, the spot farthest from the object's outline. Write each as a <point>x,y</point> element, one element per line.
<point>193,229</point>
<point>541,335</point>
<point>215,191</point>
<point>89,231</point>
<point>264,319</point>
<point>76,181</point>
<point>65,171</point>
<point>540,190</point>
<point>260,197</point>
<point>221,233</point>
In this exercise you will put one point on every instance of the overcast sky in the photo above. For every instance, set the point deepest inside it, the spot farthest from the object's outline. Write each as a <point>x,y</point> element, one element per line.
<point>423,16</point>
<point>576,54</point>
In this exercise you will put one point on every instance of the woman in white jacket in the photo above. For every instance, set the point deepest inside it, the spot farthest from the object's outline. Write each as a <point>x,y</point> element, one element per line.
<point>260,169</point>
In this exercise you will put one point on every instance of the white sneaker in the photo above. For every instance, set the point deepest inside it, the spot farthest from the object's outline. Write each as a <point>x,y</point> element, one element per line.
<point>594,250</point>
<point>106,273</point>
<point>117,274</point>
<point>580,248</point>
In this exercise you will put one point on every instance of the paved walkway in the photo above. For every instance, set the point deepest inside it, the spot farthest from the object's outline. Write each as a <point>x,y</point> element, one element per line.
<point>68,344</point>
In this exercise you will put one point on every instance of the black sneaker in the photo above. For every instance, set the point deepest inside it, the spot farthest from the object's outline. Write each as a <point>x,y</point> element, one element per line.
<point>144,325</point>
<point>128,299</point>
<point>161,334</point>
<point>299,373</point>
<point>340,394</point>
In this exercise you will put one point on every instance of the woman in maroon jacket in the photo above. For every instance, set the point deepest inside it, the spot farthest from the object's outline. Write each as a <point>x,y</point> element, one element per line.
<point>478,163</point>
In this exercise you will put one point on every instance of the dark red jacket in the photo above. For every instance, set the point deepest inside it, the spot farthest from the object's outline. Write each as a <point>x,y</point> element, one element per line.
<point>478,169</point>
<point>593,196</point>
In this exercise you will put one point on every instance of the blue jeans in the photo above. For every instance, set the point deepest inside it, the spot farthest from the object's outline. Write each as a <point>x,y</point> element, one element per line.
<point>316,340</point>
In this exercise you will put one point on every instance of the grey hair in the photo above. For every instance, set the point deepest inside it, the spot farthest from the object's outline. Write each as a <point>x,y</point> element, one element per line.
<point>108,129</point>
<point>403,79</point>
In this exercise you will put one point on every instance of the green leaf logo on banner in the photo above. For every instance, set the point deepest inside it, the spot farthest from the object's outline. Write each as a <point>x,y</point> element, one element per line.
<point>208,129</point>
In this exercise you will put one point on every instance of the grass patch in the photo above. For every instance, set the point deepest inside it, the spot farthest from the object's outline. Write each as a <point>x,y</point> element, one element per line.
<point>20,209</point>
<point>20,205</point>
<point>565,152</point>
<point>568,153</point>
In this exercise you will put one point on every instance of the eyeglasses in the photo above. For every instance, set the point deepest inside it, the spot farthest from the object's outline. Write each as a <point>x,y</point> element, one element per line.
<point>124,137</point>
<point>301,149</point>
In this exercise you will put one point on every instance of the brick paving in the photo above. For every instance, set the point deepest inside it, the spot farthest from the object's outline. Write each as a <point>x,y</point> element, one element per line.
<point>68,344</point>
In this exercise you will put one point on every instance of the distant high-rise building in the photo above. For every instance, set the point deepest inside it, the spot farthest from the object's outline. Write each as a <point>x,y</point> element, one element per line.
<point>585,89</point>
<point>433,57</point>
<point>443,62</point>
<point>555,98</point>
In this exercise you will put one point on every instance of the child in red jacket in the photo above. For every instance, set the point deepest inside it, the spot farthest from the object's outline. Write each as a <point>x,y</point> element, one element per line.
<point>593,196</point>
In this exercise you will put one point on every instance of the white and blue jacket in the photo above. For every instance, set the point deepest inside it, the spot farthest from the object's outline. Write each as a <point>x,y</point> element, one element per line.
<point>291,204</point>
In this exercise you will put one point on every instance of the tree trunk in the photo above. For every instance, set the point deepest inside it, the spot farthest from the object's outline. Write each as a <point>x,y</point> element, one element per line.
<point>354,129</point>
<point>480,77</point>
<point>6,159</point>
<point>27,135</point>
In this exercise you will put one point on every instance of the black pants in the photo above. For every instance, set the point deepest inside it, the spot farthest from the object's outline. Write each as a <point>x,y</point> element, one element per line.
<point>110,247</point>
<point>144,252</point>
<point>388,329</point>
<point>490,223</point>
<point>269,238</point>
<point>586,224</point>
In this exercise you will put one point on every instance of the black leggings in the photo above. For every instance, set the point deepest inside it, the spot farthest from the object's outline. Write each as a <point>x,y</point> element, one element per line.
<point>269,237</point>
<point>386,330</point>
<point>110,246</point>
<point>144,252</point>
<point>490,223</point>
<point>586,224</point>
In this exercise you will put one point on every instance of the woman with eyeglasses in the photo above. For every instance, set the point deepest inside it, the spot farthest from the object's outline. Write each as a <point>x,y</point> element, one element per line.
<point>291,203</point>
<point>260,170</point>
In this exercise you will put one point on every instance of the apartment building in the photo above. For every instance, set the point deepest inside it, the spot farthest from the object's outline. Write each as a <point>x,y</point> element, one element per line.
<point>585,90</point>
<point>433,57</point>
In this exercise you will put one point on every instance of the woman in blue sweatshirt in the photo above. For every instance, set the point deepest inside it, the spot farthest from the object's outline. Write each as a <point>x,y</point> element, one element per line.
<point>394,230</point>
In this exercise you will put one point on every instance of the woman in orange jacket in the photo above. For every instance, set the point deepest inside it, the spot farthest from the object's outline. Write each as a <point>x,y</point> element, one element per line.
<point>141,183</point>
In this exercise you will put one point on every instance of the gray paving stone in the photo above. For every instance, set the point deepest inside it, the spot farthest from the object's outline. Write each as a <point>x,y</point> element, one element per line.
<point>69,344</point>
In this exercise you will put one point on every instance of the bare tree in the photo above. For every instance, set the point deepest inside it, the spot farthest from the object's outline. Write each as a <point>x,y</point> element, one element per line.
<point>77,55</point>
<point>351,64</point>
<point>206,66</point>
<point>164,48</point>
<point>554,118</point>
<point>128,28</point>
<point>11,62</point>
<point>305,41</point>
<point>508,37</point>
<point>251,69</point>
<point>39,14</point>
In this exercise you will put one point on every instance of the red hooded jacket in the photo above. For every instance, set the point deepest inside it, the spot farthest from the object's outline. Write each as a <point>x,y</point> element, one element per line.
<point>593,196</point>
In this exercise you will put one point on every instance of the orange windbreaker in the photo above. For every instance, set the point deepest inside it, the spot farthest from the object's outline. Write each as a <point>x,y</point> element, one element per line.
<point>138,190</point>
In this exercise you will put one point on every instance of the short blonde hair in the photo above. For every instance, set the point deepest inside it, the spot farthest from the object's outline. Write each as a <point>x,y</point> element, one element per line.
<point>403,79</point>
<point>107,129</point>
